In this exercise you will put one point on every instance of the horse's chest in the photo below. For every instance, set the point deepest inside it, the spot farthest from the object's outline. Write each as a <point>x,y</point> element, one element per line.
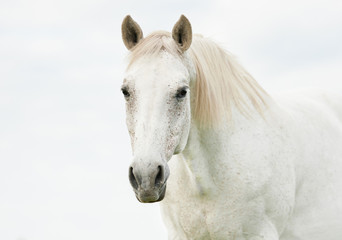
<point>191,213</point>
<point>187,220</point>
<point>193,223</point>
<point>190,218</point>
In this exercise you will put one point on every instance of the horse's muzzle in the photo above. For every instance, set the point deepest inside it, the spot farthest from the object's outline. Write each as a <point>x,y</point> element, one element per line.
<point>151,197</point>
<point>148,182</point>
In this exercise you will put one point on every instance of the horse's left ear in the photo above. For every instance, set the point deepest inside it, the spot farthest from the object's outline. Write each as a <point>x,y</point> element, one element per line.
<point>182,33</point>
<point>131,32</point>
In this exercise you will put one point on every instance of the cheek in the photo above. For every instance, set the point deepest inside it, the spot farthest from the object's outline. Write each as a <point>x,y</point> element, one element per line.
<point>179,121</point>
<point>130,120</point>
<point>130,126</point>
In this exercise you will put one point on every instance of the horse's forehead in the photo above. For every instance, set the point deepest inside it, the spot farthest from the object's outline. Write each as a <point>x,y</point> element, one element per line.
<point>162,70</point>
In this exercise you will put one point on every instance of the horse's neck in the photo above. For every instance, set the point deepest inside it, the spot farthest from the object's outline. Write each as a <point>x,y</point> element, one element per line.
<point>199,156</point>
<point>204,154</point>
<point>211,154</point>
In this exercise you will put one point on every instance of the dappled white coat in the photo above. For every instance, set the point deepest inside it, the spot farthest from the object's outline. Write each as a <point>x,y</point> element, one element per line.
<point>271,168</point>
<point>279,178</point>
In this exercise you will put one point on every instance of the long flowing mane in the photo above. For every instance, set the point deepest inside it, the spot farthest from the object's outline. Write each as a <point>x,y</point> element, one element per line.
<point>220,80</point>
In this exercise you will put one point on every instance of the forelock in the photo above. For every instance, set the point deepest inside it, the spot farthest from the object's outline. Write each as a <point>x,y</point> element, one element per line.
<point>153,45</point>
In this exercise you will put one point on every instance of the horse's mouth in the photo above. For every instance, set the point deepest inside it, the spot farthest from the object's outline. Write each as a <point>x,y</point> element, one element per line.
<point>153,196</point>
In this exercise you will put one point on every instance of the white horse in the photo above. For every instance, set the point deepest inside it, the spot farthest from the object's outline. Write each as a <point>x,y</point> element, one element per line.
<point>238,164</point>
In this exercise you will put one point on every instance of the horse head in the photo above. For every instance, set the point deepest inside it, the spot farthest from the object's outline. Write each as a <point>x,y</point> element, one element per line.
<point>157,92</point>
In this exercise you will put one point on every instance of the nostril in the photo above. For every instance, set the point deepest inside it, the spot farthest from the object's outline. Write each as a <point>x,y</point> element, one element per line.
<point>132,178</point>
<point>160,176</point>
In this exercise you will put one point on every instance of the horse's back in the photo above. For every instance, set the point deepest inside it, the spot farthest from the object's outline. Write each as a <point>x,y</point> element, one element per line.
<point>326,100</point>
<point>317,127</point>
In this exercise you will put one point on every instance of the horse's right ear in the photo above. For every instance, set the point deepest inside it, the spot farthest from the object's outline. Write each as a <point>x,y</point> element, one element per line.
<point>131,32</point>
<point>182,33</point>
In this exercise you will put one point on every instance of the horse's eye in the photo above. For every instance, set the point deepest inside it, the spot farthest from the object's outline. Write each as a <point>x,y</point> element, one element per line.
<point>125,92</point>
<point>181,93</point>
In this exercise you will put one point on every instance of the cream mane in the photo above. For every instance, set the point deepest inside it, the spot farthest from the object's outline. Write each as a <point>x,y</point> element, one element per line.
<point>220,80</point>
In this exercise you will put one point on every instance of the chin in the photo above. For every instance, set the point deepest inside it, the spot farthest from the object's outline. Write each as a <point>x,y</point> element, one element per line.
<point>151,197</point>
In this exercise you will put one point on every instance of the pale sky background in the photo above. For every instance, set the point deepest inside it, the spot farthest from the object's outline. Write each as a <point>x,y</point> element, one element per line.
<point>64,147</point>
